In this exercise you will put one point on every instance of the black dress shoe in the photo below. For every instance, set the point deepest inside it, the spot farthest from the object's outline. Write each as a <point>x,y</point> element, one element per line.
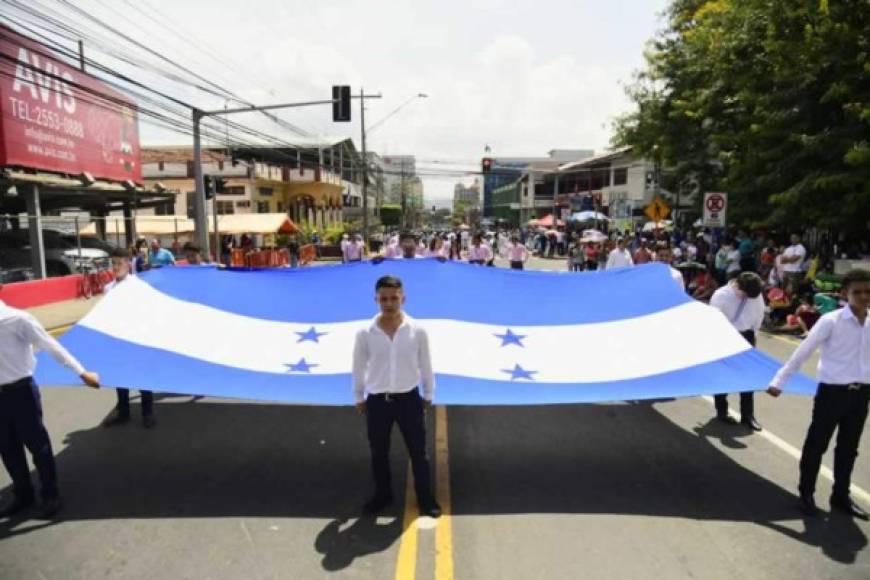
<point>50,507</point>
<point>751,423</point>
<point>116,417</point>
<point>728,419</point>
<point>377,504</point>
<point>15,506</point>
<point>847,506</point>
<point>807,505</point>
<point>148,421</point>
<point>431,509</point>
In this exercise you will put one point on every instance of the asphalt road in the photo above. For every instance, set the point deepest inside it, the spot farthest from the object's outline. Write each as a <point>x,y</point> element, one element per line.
<point>231,489</point>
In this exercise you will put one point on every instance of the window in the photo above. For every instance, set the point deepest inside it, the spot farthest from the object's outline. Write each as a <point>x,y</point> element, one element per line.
<point>265,191</point>
<point>620,176</point>
<point>234,190</point>
<point>281,207</point>
<point>167,208</point>
<point>244,203</point>
<point>225,207</point>
<point>263,207</point>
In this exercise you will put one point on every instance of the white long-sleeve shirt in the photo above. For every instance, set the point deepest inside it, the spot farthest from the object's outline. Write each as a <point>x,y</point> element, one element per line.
<point>480,253</point>
<point>844,350</point>
<point>517,253</point>
<point>382,365</point>
<point>21,336</point>
<point>728,301</point>
<point>619,259</point>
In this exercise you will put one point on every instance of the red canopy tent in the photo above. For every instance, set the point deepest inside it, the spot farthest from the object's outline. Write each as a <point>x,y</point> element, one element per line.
<point>547,221</point>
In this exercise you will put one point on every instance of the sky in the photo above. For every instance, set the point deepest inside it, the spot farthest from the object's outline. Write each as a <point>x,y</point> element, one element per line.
<point>522,77</point>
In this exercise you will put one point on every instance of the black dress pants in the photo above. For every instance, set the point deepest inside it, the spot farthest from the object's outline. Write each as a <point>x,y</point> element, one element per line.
<point>21,427</point>
<point>124,402</point>
<point>406,410</point>
<point>747,400</point>
<point>839,407</point>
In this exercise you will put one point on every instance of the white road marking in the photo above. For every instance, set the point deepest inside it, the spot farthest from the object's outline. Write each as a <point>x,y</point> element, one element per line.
<point>856,491</point>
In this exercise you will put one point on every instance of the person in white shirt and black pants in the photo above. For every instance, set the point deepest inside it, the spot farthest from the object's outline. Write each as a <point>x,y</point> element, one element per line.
<point>741,302</point>
<point>21,409</point>
<point>841,402</point>
<point>121,413</point>
<point>390,359</point>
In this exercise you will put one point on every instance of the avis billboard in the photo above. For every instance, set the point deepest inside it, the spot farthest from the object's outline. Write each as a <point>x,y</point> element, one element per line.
<point>55,118</point>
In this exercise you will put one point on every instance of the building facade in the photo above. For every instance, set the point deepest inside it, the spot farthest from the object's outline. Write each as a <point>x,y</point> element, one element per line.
<point>314,187</point>
<point>506,170</point>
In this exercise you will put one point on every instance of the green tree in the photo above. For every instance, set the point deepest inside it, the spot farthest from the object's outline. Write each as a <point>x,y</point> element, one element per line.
<point>391,215</point>
<point>769,101</point>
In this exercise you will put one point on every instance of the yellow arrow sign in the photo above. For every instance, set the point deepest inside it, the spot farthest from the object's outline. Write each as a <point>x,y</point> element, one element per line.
<point>657,210</point>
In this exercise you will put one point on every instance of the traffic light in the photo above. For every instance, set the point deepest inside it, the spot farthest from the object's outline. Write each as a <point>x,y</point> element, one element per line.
<point>220,185</point>
<point>340,103</point>
<point>208,186</point>
<point>486,165</point>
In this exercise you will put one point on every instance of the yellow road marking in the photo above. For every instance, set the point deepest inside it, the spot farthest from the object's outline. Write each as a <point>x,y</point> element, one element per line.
<point>406,566</point>
<point>59,330</point>
<point>444,531</point>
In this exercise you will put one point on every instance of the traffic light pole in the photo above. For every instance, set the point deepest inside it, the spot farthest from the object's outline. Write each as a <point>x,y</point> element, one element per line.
<point>199,205</point>
<point>365,163</point>
<point>199,213</point>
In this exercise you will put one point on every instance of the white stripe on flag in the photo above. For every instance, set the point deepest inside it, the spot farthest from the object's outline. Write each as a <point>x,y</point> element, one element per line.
<point>677,338</point>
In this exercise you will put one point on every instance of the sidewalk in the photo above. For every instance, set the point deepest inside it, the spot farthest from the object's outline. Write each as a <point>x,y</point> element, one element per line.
<point>65,313</point>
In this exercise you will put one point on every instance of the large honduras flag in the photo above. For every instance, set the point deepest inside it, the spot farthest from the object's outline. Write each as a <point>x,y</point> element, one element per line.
<point>497,336</point>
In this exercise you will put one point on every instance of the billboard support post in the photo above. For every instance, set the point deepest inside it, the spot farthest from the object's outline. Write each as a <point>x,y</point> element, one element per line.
<point>34,230</point>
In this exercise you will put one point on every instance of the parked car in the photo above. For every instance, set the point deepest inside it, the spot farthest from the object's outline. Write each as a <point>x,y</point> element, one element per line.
<point>10,275</point>
<point>90,242</point>
<point>61,257</point>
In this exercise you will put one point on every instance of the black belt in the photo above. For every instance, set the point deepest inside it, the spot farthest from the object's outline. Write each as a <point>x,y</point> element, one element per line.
<point>15,385</point>
<point>390,397</point>
<point>846,387</point>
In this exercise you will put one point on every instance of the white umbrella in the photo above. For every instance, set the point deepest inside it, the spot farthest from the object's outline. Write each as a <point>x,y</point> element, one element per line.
<point>662,225</point>
<point>589,216</point>
<point>593,236</point>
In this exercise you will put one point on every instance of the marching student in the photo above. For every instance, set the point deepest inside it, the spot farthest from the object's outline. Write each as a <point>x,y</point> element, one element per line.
<point>353,250</point>
<point>742,304</point>
<point>479,253</point>
<point>619,257</point>
<point>843,340</point>
<point>517,253</point>
<point>192,253</point>
<point>391,360</point>
<point>121,413</point>
<point>21,423</point>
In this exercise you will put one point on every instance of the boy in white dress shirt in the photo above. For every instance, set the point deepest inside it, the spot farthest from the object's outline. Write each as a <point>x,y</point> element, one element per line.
<point>843,340</point>
<point>390,361</point>
<point>21,423</point>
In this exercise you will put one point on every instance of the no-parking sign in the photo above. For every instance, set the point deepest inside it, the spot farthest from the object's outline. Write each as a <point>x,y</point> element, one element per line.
<point>715,208</point>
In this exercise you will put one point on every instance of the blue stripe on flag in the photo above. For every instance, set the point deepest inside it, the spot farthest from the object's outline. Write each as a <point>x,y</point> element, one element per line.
<point>435,290</point>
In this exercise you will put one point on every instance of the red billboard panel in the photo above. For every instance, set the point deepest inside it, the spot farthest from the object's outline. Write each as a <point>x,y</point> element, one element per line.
<point>53,117</point>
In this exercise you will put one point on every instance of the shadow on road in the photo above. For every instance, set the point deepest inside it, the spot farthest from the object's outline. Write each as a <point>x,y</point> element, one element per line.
<point>213,459</point>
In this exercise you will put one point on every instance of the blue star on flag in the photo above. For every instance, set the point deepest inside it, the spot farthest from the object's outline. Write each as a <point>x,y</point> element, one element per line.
<point>510,338</point>
<point>301,367</point>
<point>311,334</point>
<point>519,372</point>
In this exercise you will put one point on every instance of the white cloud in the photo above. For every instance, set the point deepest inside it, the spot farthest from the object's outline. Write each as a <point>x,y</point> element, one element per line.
<point>522,77</point>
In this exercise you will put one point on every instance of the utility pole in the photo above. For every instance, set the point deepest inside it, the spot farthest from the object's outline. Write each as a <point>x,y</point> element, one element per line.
<point>402,196</point>
<point>365,162</point>
<point>199,214</point>
<point>555,195</point>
